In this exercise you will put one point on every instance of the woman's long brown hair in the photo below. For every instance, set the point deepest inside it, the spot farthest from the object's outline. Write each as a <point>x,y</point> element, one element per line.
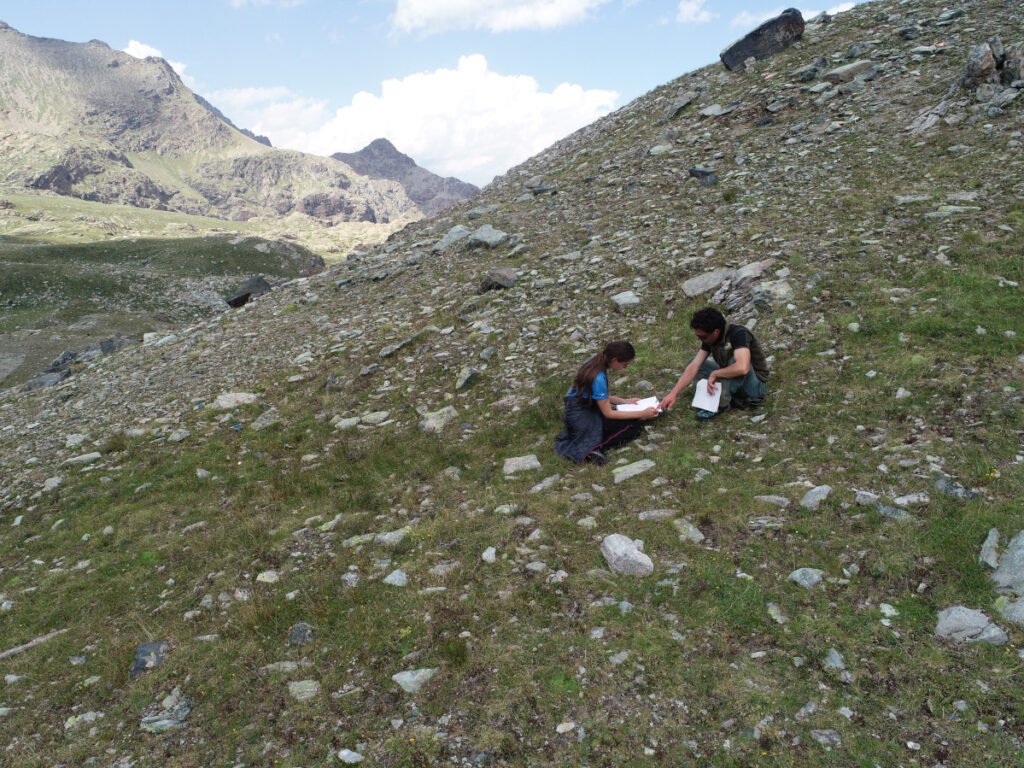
<point>584,380</point>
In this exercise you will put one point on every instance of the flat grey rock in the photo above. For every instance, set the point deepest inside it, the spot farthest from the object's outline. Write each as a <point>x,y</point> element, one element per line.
<point>894,513</point>
<point>776,501</point>
<point>227,401</point>
<point>706,282</point>
<point>808,578</point>
<point>626,299</point>
<point>521,464</point>
<point>486,237</point>
<point>688,531</point>
<point>454,235</point>
<point>826,737</point>
<point>1009,576</point>
<point>168,719</point>
<point>911,500</point>
<point>627,471</point>
<point>303,690</point>
<point>85,458</point>
<point>989,557</point>
<point>966,625</point>
<point>952,488</point>
<point>834,660</point>
<point>658,514</point>
<point>413,680</point>
<point>813,498</point>
<point>266,419</point>
<point>626,556</point>
<point>301,634</point>
<point>147,656</point>
<point>846,73</point>
<point>436,421</point>
<point>766,294</point>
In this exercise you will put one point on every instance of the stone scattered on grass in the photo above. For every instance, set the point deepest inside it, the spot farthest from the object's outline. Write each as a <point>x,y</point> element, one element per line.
<point>172,714</point>
<point>966,625</point>
<point>148,656</point>
<point>628,471</point>
<point>229,400</point>
<point>813,498</point>
<point>808,578</point>
<point>301,634</point>
<point>521,464</point>
<point>413,680</point>
<point>1009,576</point>
<point>688,531</point>
<point>989,557</point>
<point>303,690</point>
<point>626,555</point>
<point>436,421</point>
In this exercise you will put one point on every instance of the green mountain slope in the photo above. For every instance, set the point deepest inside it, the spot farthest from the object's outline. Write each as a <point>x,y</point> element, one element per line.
<point>90,122</point>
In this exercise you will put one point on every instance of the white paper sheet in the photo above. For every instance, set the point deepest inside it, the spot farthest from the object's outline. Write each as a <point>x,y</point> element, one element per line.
<point>704,401</point>
<point>643,405</point>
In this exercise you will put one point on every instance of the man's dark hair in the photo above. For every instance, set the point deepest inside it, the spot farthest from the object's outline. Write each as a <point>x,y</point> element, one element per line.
<point>707,320</point>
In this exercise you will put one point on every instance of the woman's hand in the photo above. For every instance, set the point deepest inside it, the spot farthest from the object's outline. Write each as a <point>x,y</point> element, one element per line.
<point>650,413</point>
<point>631,401</point>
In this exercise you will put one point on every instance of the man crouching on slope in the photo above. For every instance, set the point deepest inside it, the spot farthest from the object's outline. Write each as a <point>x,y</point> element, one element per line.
<point>737,364</point>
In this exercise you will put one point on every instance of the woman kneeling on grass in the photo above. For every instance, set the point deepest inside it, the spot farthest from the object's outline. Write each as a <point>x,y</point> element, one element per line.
<point>591,424</point>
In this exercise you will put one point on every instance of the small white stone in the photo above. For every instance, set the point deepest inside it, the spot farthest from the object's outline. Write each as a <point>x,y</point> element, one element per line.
<point>489,555</point>
<point>565,727</point>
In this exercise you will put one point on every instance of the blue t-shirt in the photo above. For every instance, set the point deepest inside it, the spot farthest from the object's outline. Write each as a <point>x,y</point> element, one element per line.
<point>598,390</point>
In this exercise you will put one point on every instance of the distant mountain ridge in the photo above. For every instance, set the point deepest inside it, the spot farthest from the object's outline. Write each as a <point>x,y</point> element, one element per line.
<point>87,121</point>
<point>432,193</point>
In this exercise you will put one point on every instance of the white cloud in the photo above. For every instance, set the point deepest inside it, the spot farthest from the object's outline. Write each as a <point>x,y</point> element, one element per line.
<point>468,122</point>
<point>494,15</point>
<point>747,20</point>
<point>693,12</point>
<point>142,51</point>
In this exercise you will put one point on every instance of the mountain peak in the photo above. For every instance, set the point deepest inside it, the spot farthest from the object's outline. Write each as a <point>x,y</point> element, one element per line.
<point>380,159</point>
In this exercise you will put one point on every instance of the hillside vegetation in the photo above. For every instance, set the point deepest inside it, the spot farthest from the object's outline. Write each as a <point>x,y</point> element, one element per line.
<point>339,562</point>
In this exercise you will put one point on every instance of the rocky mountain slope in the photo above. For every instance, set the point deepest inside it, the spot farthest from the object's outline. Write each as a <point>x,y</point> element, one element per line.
<point>380,160</point>
<point>329,527</point>
<point>90,122</point>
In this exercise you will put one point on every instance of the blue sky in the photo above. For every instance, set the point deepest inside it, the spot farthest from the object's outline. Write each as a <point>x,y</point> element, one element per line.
<point>468,88</point>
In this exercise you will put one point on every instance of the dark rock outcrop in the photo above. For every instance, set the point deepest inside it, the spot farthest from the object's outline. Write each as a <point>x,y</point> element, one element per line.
<point>769,38</point>
<point>251,288</point>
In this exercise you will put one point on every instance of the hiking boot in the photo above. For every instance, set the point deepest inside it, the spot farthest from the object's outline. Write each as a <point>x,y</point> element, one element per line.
<point>596,458</point>
<point>703,415</point>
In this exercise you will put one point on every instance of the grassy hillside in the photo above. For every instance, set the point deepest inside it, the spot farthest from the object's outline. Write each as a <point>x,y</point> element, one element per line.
<point>74,272</point>
<point>890,306</point>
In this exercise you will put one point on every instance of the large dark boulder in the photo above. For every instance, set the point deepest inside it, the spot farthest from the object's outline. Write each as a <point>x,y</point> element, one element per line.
<point>769,38</point>
<point>44,380</point>
<point>253,287</point>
